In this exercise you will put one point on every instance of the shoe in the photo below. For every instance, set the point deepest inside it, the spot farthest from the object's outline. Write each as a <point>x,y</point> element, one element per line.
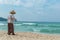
<point>13,34</point>
<point>8,34</point>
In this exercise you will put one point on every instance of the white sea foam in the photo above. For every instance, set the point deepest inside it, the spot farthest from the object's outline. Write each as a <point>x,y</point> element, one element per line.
<point>36,30</point>
<point>2,24</point>
<point>17,24</point>
<point>29,23</point>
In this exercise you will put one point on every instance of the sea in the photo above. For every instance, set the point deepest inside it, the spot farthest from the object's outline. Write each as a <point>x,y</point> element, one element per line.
<point>37,27</point>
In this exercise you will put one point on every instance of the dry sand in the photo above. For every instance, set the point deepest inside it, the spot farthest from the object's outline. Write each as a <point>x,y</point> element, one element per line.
<point>28,36</point>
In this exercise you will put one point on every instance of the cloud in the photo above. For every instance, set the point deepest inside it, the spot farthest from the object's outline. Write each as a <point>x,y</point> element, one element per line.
<point>17,2</point>
<point>1,1</point>
<point>11,2</point>
<point>27,3</point>
<point>55,6</point>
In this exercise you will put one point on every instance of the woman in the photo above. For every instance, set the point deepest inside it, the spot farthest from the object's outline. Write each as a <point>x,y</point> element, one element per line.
<point>11,19</point>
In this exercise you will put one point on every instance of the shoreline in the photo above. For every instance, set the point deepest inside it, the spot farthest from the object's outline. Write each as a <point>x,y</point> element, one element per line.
<point>58,34</point>
<point>28,36</point>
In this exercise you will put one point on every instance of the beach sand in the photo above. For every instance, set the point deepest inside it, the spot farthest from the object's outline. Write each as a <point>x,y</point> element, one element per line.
<point>27,36</point>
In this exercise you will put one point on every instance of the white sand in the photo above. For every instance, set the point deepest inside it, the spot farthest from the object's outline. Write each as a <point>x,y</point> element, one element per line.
<point>27,36</point>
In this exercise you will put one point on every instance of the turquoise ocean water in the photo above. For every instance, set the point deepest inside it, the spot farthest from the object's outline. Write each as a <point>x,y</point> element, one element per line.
<point>38,27</point>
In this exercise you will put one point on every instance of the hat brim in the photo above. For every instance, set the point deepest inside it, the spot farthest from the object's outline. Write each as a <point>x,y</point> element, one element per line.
<point>12,13</point>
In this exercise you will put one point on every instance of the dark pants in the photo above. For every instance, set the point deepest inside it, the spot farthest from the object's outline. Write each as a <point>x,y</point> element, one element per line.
<point>10,28</point>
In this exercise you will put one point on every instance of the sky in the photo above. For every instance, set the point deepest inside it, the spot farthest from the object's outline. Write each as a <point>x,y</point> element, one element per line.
<point>32,10</point>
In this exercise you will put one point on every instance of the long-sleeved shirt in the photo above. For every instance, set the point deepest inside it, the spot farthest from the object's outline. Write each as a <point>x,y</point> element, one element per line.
<point>11,18</point>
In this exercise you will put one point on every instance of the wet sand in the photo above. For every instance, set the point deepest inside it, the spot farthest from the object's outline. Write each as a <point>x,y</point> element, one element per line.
<point>27,36</point>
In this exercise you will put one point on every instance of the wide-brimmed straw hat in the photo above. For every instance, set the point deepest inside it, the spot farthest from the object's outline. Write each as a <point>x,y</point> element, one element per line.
<point>12,12</point>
